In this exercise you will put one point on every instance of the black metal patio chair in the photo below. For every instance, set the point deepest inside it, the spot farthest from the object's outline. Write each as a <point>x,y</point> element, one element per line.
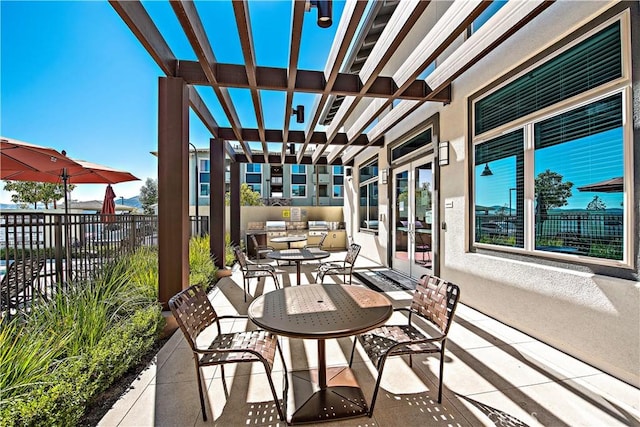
<point>319,244</point>
<point>435,301</point>
<point>261,250</point>
<point>194,313</point>
<point>16,288</point>
<point>251,270</point>
<point>339,267</point>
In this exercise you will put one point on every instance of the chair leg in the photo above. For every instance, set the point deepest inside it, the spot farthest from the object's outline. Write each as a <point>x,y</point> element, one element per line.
<point>273,389</point>
<point>377,386</point>
<point>200,389</point>
<point>441,373</point>
<point>275,280</point>
<point>353,350</point>
<point>286,378</point>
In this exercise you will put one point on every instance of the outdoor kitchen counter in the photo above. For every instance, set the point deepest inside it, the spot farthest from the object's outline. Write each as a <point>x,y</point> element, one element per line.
<point>336,239</point>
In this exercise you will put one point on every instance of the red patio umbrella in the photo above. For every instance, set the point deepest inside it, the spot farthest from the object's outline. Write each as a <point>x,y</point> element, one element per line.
<point>21,161</point>
<point>613,185</point>
<point>108,205</point>
<point>93,173</point>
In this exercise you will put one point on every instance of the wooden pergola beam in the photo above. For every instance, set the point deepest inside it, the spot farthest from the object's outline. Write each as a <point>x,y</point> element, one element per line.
<point>349,23</point>
<point>396,30</point>
<point>194,30</point>
<point>243,22</point>
<point>306,81</point>
<point>446,30</point>
<point>291,73</point>
<point>511,17</point>
<point>294,136</point>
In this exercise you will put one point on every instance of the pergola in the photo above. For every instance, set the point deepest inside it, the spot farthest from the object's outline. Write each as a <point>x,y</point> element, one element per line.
<point>340,143</point>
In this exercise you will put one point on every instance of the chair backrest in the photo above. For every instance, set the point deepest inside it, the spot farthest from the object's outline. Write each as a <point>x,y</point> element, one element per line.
<point>436,300</point>
<point>240,256</point>
<point>254,241</point>
<point>193,312</point>
<point>20,274</point>
<point>424,240</point>
<point>352,253</point>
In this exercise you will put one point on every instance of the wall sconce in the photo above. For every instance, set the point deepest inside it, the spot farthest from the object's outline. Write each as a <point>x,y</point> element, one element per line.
<point>384,176</point>
<point>299,113</point>
<point>443,153</point>
<point>324,11</point>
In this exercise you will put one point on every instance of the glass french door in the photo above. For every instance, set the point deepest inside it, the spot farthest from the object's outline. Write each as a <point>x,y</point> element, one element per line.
<point>413,217</point>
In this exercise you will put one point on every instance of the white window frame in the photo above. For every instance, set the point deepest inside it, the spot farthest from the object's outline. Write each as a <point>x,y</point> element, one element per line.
<point>372,180</point>
<point>623,86</point>
<point>204,167</point>
<point>292,173</point>
<point>333,174</point>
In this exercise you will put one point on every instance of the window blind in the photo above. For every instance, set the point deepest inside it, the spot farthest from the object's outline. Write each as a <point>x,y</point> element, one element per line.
<point>600,116</point>
<point>587,65</point>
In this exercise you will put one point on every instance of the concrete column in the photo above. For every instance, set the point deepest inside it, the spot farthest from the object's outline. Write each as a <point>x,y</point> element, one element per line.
<point>216,197</point>
<point>173,187</point>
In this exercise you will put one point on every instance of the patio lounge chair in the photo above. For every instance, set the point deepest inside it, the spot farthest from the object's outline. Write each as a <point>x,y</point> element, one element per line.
<point>252,270</point>
<point>260,249</point>
<point>339,267</point>
<point>319,244</point>
<point>423,246</point>
<point>16,289</point>
<point>194,313</point>
<point>434,301</point>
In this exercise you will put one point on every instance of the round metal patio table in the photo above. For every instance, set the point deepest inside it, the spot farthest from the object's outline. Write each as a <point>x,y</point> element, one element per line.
<point>298,256</point>
<point>321,312</point>
<point>288,240</point>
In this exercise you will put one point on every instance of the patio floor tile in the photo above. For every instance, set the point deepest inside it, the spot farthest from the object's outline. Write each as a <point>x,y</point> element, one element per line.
<point>494,375</point>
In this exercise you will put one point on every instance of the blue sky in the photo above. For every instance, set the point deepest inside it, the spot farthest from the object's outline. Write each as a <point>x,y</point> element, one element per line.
<point>73,77</point>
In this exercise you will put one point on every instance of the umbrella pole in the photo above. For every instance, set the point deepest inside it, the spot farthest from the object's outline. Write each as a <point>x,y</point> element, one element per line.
<point>67,231</point>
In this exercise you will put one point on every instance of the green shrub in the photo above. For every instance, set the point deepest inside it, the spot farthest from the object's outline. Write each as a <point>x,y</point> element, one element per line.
<point>202,269</point>
<point>229,256</point>
<point>55,360</point>
<point>61,400</point>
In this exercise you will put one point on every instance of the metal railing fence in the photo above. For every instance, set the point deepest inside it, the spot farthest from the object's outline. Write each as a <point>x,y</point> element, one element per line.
<point>74,247</point>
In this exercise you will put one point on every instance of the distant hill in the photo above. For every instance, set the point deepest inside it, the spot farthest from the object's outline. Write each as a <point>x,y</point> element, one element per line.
<point>133,202</point>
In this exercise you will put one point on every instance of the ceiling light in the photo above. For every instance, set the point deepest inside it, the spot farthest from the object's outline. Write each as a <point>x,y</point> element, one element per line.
<point>324,11</point>
<point>486,171</point>
<point>299,112</point>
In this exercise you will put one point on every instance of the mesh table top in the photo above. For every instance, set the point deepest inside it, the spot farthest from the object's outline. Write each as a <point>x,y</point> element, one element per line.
<point>298,254</point>
<point>320,311</point>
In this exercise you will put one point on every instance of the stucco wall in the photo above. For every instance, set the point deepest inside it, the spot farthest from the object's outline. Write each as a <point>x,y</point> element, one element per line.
<point>593,317</point>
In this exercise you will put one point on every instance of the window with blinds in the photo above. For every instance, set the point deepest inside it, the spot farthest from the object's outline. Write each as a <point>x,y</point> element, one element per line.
<point>574,151</point>
<point>573,158</point>
<point>368,211</point>
<point>589,64</point>
<point>499,178</point>
<point>423,139</point>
